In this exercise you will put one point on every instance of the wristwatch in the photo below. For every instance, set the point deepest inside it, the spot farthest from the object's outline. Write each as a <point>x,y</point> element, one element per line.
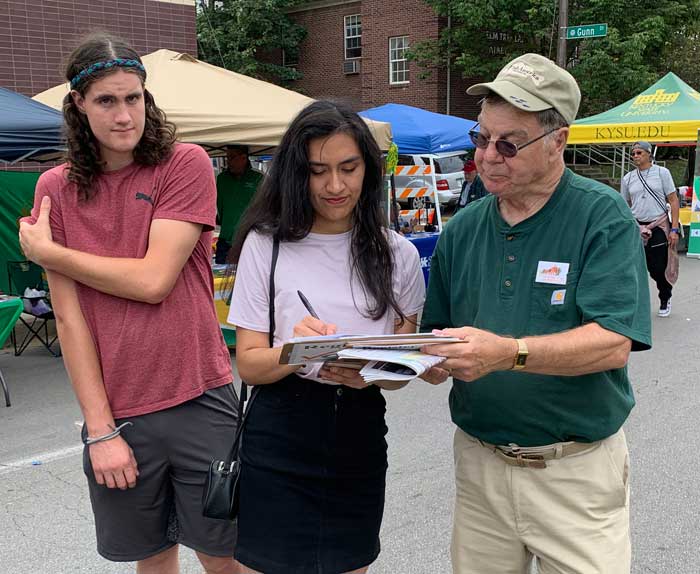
<point>675,230</point>
<point>520,356</point>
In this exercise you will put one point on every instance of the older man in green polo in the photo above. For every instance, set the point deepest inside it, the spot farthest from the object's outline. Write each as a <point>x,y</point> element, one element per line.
<point>545,281</point>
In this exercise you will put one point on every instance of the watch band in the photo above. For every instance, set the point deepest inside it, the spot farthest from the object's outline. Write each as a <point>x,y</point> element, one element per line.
<point>521,355</point>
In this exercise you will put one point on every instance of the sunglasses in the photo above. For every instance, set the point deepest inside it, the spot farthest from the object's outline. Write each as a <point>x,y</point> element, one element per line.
<point>637,153</point>
<point>504,147</point>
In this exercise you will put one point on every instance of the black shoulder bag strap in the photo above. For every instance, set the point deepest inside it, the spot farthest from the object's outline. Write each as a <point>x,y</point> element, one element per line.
<point>242,414</point>
<point>647,187</point>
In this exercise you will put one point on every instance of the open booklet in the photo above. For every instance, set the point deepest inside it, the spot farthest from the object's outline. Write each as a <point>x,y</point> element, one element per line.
<point>378,357</point>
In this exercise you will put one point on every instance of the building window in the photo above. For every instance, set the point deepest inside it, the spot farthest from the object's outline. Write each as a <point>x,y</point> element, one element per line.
<point>202,5</point>
<point>353,36</point>
<point>398,64</point>
<point>290,58</point>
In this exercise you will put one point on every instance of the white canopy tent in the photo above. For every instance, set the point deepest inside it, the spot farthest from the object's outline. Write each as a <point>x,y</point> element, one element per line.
<point>212,106</point>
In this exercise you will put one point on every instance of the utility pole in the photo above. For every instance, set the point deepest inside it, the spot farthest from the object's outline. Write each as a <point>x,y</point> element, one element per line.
<point>563,23</point>
<point>449,60</point>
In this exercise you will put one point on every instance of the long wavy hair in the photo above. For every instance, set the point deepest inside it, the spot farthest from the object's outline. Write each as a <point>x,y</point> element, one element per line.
<point>85,163</point>
<point>282,206</point>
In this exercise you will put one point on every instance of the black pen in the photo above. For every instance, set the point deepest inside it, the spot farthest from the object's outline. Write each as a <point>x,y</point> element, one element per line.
<point>308,306</point>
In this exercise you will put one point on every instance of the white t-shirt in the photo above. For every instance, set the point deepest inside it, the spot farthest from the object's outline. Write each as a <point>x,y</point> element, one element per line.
<point>645,207</point>
<point>319,267</point>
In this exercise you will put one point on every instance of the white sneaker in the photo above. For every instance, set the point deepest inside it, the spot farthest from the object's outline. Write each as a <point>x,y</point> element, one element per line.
<point>665,310</point>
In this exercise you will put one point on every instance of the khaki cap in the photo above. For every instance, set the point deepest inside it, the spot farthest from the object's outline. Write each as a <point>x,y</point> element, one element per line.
<point>534,83</point>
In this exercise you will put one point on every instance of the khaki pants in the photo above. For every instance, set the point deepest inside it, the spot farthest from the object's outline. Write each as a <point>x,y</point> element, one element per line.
<point>571,517</point>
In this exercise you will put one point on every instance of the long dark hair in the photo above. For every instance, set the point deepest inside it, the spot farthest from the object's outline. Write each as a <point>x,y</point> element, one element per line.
<point>83,155</point>
<point>282,205</point>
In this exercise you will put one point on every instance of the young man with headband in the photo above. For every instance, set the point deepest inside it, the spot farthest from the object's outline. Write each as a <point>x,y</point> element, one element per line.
<point>123,230</point>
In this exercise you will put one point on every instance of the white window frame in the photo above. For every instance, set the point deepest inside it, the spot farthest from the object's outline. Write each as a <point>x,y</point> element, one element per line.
<point>395,61</point>
<point>354,26</point>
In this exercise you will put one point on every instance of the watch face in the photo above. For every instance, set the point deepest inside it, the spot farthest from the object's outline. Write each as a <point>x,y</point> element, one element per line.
<point>520,361</point>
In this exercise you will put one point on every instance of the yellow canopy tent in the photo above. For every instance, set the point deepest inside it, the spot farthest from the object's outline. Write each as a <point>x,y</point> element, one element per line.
<point>668,111</point>
<point>213,106</point>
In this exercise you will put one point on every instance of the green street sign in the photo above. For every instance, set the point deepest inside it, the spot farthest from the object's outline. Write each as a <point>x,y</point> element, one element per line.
<point>587,31</point>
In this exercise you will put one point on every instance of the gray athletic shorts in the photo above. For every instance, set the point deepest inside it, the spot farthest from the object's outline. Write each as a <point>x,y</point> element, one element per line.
<point>173,450</point>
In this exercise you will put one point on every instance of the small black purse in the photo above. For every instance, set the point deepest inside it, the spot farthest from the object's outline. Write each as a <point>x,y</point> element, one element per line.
<point>220,498</point>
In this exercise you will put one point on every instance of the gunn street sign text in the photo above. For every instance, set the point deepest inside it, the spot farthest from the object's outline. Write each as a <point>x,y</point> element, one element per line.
<point>587,31</point>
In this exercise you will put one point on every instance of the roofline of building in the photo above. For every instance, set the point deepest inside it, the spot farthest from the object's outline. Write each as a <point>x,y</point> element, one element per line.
<point>316,4</point>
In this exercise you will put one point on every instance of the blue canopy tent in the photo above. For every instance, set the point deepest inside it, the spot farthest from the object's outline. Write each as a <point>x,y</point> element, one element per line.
<point>419,131</point>
<point>27,128</point>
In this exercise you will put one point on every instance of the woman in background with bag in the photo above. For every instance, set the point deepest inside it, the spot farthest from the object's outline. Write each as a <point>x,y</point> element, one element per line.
<point>313,453</point>
<point>647,190</point>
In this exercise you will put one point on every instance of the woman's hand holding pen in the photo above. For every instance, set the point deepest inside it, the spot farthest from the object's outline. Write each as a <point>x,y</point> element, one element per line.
<point>310,327</point>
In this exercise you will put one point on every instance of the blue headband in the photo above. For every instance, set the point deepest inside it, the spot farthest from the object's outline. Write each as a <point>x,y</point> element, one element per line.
<point>121,62</point>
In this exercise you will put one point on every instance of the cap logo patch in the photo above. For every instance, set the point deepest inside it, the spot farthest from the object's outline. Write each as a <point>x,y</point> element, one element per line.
<point>520,102</point>
<point>525,71</point>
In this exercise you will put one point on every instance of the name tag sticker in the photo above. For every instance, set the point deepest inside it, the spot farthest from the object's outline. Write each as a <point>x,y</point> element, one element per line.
<point>552,272</point>
<point>558,297</point>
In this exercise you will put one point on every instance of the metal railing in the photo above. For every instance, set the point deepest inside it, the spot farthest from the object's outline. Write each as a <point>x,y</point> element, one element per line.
<point>616,156</point>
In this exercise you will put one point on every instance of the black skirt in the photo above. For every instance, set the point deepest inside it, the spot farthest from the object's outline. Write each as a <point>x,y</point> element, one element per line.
<point>312,478</point>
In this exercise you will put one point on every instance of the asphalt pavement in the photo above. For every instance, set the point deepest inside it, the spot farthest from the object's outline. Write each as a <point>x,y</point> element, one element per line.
<point>46,523</point>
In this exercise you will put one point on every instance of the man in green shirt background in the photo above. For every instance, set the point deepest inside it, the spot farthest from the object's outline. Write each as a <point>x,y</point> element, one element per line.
<point>545,281</point>
<point>235,187</point>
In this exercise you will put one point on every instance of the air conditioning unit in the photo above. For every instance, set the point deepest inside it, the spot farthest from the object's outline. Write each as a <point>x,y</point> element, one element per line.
<point>351,67</point>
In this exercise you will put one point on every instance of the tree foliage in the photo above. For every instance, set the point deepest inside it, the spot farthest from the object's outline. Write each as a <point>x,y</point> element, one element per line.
<point>240,35</point>
<point>646,39</point>
<point>682,56</point>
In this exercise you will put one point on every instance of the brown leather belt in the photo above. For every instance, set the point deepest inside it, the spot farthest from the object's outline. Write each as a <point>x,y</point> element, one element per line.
<point>535,456</point>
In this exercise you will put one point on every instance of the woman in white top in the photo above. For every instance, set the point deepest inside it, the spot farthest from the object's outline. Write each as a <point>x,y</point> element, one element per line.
<point>313,450</point>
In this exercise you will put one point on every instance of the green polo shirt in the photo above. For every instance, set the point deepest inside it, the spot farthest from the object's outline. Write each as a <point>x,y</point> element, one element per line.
<point>233,194</point>
<point>577,260</point>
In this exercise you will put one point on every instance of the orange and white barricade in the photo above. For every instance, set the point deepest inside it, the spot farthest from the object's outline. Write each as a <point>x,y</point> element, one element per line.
<point>409,192</point>
<point>416,170</point>
<point>428,192</point>
<point>421,215</point>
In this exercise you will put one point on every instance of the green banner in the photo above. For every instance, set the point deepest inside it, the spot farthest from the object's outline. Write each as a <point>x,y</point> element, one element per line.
<point>16,200</point>
<point>694,235</point>
<point>694,241</point>
<point>392,159</point>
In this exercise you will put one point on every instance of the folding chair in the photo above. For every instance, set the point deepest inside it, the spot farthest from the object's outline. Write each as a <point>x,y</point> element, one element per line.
<point>10,310</point>
<point>22,275</point>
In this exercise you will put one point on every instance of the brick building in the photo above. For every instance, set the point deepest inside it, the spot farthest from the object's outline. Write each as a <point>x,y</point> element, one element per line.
<point>355,51</point>
<point>36,37</point>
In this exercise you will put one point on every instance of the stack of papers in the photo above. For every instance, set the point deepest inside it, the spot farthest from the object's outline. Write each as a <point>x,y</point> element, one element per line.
<point>382,357</point>
<point>391,365</point>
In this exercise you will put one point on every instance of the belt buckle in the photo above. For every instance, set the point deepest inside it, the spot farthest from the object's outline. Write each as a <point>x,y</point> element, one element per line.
<point>526,460</point>
<point>531,460</point>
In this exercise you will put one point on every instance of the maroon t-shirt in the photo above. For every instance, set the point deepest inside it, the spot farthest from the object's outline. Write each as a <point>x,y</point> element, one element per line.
<point>152,356</point>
